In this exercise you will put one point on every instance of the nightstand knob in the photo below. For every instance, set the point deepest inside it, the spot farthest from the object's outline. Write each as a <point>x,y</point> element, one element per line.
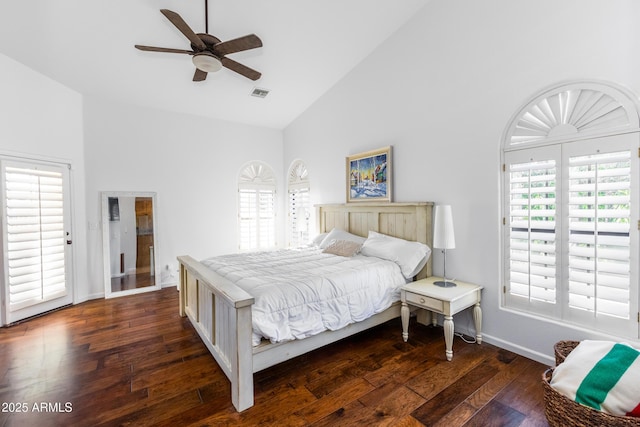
<point>422,300</point>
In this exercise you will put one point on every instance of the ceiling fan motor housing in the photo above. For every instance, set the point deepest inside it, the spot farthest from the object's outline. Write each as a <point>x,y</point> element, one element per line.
<point>208,40</point>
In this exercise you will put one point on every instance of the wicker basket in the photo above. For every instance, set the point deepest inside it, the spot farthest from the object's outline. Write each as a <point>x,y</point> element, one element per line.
<point>564,412</point>
<point>562,350</point>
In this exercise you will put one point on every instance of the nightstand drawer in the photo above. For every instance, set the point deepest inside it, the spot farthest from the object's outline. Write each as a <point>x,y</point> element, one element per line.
<point>425,302</point>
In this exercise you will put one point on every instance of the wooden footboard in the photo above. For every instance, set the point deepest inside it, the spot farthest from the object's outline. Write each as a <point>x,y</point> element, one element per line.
<point>221,314</point>
<point>220,311</point>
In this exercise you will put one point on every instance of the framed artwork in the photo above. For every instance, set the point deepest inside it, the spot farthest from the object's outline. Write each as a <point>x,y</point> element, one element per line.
<point>369,176</point>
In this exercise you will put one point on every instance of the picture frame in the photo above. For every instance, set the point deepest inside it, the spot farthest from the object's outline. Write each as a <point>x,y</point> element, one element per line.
<point>369,176</point>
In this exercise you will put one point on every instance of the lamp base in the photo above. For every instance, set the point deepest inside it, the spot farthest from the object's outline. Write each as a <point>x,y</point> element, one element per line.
<point>445,284</point>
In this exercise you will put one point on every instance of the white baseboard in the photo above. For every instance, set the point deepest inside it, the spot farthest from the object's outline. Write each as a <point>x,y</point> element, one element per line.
<point>169,283</point>
<point>545,359</point>
<point>88,297</point>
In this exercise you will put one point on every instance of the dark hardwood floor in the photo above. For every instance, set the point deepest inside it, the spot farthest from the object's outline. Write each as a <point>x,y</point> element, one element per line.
<point>134,361</point>
<point>132,281</point>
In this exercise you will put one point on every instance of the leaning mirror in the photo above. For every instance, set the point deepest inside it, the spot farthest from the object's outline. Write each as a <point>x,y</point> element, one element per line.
<point>129,243</point>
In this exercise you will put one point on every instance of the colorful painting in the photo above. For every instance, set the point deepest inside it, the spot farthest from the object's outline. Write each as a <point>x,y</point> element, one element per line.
<point>369,176</point>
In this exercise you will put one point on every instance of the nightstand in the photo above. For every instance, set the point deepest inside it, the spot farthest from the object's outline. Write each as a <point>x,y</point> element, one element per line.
<point>425,295</point>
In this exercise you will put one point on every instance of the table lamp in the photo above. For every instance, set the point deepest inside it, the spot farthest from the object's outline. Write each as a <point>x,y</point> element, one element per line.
<point>443,238</point>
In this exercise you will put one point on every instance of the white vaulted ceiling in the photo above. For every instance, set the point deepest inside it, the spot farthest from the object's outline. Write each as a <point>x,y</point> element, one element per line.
<point>309,45</point>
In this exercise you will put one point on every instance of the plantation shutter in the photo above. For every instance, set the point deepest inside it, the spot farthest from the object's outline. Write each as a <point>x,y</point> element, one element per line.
<point>571,250</point>
<point>532,238</point>
<point>248,223</point>
<point>599,240</point>
<point>257,218</point>
<point>267,221</point>
<point>602,253</point>
<point>299,205</point>
<point>34,236</point>
<point>256,207</point>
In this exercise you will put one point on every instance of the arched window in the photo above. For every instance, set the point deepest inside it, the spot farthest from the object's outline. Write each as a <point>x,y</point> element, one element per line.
<point>299,204</point>
<point>570,205</point>
<point>256,206</point>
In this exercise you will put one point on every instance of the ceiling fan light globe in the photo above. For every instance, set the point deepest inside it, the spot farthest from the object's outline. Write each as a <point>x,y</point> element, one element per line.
<point>207,62</point>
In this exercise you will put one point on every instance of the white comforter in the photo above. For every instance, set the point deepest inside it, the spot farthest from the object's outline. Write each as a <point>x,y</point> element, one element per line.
<point>302,292</point>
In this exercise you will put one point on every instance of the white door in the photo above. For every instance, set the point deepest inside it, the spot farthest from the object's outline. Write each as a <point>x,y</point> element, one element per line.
<point>36,234</point>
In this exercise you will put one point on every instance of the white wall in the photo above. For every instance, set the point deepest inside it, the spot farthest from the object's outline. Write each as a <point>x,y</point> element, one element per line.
<point>42,119</point>
<point>441,91</point>
<point>191,162</point>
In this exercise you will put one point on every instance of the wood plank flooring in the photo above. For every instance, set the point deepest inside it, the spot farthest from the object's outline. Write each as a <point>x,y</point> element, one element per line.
<point>132,361</point>
<point>132,281</point>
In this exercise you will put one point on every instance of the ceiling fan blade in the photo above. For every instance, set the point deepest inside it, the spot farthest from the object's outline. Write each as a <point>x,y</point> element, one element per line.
<point>250,41</point>
<point>199,75</point>
<point>183,27</point>
<point>163,49</point>
<point>249,73</point>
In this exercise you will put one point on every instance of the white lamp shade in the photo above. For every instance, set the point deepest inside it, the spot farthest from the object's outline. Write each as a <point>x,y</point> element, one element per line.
<point>443,237</point>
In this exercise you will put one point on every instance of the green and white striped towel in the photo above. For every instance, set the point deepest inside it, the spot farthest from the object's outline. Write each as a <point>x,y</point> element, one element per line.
<point>603,375</point>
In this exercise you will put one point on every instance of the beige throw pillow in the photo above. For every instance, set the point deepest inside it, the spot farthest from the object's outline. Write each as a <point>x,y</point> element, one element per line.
<point>344,248</point>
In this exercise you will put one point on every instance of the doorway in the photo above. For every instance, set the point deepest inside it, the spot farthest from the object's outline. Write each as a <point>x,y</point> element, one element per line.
<point>36,234</point>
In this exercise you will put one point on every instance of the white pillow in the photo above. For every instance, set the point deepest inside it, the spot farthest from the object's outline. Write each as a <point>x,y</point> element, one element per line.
<point>337,234</point>
<point>318,239</point>
<point>410,256</point>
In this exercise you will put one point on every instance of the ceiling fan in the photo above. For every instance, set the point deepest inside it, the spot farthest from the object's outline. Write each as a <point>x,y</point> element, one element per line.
<point>209,53</point>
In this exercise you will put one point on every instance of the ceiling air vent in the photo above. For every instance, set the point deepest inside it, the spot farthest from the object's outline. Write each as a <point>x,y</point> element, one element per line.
<point>259,92</point>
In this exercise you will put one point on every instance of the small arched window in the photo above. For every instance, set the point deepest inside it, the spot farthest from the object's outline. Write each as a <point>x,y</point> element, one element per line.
<point>299,204</point>
<point>256,206</point>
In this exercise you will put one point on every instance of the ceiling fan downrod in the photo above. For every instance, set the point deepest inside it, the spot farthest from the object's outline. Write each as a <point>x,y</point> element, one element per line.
<point>206,16</point>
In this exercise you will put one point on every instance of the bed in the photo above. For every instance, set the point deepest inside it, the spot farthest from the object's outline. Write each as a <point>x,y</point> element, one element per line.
<point>221,311</point>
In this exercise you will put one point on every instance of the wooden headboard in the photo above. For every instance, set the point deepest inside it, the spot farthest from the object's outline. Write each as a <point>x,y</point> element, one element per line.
<point>409,221</point>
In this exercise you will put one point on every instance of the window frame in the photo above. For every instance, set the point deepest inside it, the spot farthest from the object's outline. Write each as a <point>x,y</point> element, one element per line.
<point>257,180</point>
<point>298,187</point>
<point>552,111</point>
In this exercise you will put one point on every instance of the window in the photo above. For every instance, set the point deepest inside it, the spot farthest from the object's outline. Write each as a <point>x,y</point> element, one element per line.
<point>570,198</point>
<point>299,204</point>
<point>256,207</point>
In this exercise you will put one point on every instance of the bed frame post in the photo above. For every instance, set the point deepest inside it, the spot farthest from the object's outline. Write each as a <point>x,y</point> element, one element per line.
<point>220,312</point>
<point>242,384</point>
<point>182,289</point>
